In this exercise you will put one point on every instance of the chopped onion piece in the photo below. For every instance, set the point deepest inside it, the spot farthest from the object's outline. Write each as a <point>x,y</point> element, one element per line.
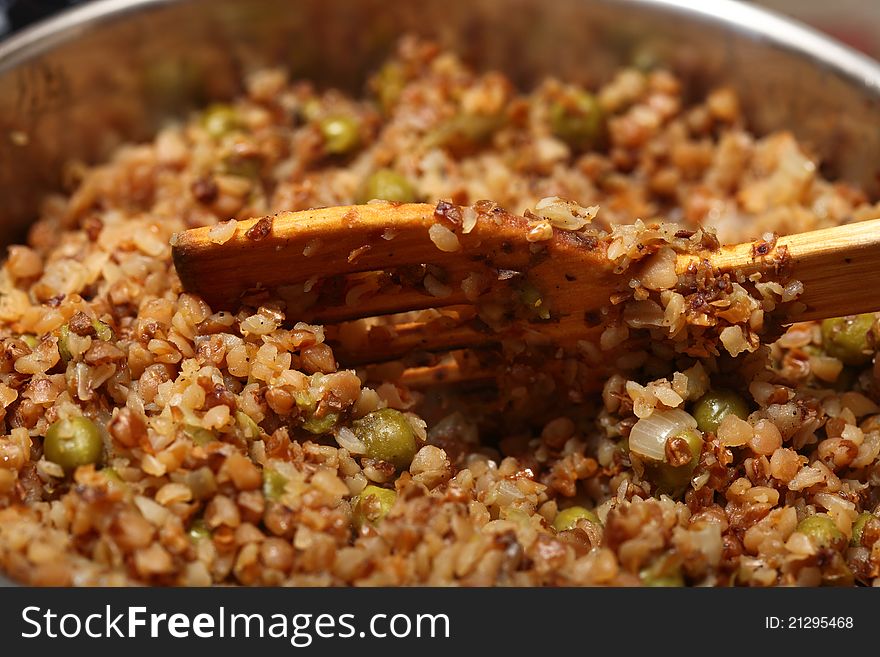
<point>649,435</point>
<point>792,291</point>
<point>468,219</point>
<point>563,214</point>
<point>443,238</point>
<point>222,232</point>
<point>346,438</point>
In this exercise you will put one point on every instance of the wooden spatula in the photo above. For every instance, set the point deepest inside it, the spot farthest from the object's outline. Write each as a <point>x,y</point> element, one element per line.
<point>339,264</point>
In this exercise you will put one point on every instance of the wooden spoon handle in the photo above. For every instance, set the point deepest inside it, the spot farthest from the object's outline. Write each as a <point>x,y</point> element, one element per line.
<point>839,268</point>
<point>297,248</point>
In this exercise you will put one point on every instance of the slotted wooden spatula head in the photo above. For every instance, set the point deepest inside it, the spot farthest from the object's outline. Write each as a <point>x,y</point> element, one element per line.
<point>339,264</point>
<point>397,280</point>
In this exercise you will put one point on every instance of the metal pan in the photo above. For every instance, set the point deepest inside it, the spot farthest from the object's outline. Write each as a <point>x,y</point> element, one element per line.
<point>77,85</point>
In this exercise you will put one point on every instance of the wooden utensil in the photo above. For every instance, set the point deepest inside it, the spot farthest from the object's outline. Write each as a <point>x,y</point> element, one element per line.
<point>324,264</point>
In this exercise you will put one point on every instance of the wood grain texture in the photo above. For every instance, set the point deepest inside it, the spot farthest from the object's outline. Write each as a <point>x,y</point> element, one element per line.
<point>268,253</point>
<point>839,267</point>
<point>573,274</point>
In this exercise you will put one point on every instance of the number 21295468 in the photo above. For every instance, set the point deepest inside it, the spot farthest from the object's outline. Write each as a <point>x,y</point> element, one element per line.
<point>808,622</point>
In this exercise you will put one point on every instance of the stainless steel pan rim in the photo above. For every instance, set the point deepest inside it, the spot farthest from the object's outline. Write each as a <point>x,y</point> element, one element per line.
<point>63,80</point>
<point>757,22</point>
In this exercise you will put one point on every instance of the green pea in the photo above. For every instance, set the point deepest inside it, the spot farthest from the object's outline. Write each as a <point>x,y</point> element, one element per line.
<point>112,475</point>
<point>73,442</point>
<point>319,426</point>
<point>371,505</point>
<point>274,484</point>
<point>858,528</point>
<point>388,436</point>
<point>310,110</point>
<point>341,134</point>
<point>199,530</point>
<point>675,579</point>
<point>387,185</point>
<point>30,340</point>
<point>304,401</point>
<point>103,331</point>
<point>243,167</point>
<point>64,344</point>
<point>464,132</point>
<point>249,428</point>
<point>663,572</point>
<point>199,435</point>
<point>388,84</point>
<point>568,518</point>
<point>220,119</point>
<point>846,338</point>
<point>715,405</point>
<point>534,302</point>
<point>114,481</point>
<point>577,119</point>
<point>822,531</point>
<point>672,479</point>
